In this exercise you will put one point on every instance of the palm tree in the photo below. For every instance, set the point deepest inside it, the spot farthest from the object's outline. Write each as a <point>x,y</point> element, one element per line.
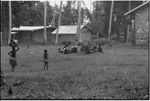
<point>59,20</point>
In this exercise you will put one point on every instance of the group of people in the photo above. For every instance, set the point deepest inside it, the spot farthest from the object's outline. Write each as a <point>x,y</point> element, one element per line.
<point>14,48</point>
<point>86,48</point>
<point>68,48</point>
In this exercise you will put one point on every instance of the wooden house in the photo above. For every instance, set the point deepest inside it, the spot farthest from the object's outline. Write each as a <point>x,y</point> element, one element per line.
<point>33,34</point>
<point>138,22</point>
<point>69,33</point>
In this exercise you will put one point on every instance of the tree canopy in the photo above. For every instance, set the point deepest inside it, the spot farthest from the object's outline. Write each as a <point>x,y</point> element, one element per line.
<point>31,13</point>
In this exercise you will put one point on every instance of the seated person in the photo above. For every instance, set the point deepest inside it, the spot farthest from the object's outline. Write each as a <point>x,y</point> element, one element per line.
<point>74,48</point>
<point>66,50</point>
<point>60,50</point>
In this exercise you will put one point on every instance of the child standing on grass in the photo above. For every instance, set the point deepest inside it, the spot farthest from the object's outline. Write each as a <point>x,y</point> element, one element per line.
<point>45,59</point>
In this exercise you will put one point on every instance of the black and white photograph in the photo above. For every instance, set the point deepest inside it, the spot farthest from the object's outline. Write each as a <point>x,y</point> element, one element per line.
<point>75,49</point>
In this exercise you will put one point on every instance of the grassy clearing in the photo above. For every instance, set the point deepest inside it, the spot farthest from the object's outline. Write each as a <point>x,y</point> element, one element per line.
<point>119,73</point>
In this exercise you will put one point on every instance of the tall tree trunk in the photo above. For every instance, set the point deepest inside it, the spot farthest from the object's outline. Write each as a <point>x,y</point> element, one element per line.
<point>126,27</point>
<point>56,41</point>
<point>125,32</point>
<point>149,25</point>
<point>1,39</point>
<point>10,21</point>
<point>133,32</point>
<point>110,21</point>
<point>54,15</point>
<point>79,21</point>
<point>118,34</point>
<point>45,13</point>
<point>1,29</point>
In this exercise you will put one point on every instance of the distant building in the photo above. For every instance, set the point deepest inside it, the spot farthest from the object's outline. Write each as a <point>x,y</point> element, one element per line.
<point>69,33</point>
<point>137,21</point>
<point>33,34</point>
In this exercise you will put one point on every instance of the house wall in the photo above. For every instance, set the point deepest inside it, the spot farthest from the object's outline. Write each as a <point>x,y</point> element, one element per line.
<point>38,36</point>
<point>66,37</point>
<point>85,35</point>
<point>141,25</point>
<point>62,38</point>
<point>22,37</point>
<point>50,37</point>
<point>33,37</point>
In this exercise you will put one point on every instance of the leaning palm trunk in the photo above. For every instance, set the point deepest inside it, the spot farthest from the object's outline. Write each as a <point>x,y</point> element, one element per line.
<point>110,22</point>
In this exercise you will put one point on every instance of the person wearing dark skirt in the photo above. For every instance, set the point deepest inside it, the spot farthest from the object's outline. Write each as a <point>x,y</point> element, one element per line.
<point>45,59</point>
<point>12,60</point>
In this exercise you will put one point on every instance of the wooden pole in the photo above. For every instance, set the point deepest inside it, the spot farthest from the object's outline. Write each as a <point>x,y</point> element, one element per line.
<point>129,6</point>
<point>133,32</point>
<point>110,21</point>
<point>79,21</point>
<point>10,21</point>
<point>45,13</point>
<point>128,26</point>
<point>56,41</point>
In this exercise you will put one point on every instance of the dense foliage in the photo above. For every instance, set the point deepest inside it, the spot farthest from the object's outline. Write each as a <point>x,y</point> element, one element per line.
<point>31,13</point>
<point>24,13</point>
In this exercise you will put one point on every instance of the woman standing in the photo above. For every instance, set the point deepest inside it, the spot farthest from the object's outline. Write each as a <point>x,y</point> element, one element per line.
<point>12,55</point>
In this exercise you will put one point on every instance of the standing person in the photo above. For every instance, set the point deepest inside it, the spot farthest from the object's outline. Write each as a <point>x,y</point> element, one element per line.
<point>45,59</point>
<point>28,44</point>
<point>12,55</point>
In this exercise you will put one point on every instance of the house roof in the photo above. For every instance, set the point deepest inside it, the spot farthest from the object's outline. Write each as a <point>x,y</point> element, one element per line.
<point>29,28</point>
<point>68,29</point>
<point>136,8</point>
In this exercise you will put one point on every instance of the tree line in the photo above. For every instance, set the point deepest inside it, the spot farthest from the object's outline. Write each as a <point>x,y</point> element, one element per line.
<point>31,13</point>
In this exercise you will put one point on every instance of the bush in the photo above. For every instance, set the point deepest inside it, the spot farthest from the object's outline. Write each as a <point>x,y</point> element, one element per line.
<point>66,42</point>
<point>101,41</point>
